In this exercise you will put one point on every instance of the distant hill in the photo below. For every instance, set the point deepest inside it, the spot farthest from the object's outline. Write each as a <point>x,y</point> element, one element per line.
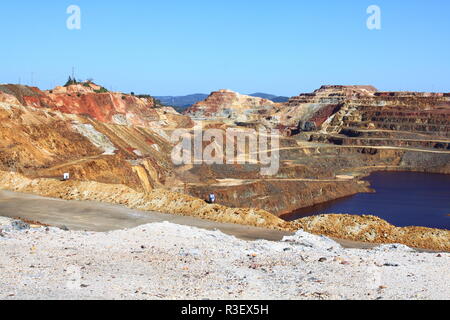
<point>271,97</point>
<point>181,103</point>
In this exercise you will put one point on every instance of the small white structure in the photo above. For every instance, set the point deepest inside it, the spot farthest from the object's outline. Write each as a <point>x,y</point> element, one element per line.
<point>66,176</point>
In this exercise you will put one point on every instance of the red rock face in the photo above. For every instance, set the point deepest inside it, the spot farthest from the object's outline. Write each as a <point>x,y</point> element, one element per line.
<point>325,102</point>
<point>100,106</point>
<point>319,106</point>
<point>227,104</point>
<point>21,94</point>
<point>110,107</point>
<point>324,114</point>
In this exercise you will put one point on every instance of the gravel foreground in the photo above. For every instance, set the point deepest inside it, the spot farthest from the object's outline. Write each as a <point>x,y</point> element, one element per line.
<point>169,261</point>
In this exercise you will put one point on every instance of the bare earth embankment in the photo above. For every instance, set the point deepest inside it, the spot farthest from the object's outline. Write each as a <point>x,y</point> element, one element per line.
<point>117,150</point>
<point>168,261</point>
<point>354,228</point>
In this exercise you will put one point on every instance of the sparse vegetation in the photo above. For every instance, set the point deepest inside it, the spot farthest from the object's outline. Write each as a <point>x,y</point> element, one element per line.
<point>70,82</point>
<point>143,96</point>
<point>101,90</point>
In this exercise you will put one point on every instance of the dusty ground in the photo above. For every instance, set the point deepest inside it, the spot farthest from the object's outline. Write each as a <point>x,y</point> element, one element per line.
<point>375,230</point>
<point>158,200</point>
<point>167,261</point>
<point>368,229</point>
<point>103,217</point>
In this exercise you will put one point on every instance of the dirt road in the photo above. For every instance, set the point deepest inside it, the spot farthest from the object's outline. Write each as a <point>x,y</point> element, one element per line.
<point>101,217</point>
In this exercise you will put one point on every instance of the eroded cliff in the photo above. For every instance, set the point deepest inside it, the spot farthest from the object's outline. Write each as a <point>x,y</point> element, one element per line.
<point>227,105</point>
<point>334,131</point>
<point>120,145</point>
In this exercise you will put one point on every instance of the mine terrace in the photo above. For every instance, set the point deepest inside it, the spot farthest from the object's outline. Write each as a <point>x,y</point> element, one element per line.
<point>120,144</point>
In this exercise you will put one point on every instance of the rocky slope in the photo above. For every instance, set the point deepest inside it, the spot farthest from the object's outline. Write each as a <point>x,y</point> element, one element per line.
<point>334,107</point>
<point>359,128</point>
<point>122,141</point>
<point>114,140</point>
<point>88,99</point>
<point>229,105</point>
<point>366,115</point>
<point>318,106</point>
<point>365,228</point>
<point>167,261</point>
<point>41,142</point>
<point>159,200</point>
<point>375,230</point>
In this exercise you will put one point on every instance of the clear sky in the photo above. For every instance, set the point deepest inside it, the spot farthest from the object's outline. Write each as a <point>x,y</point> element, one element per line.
<point>282,47</point>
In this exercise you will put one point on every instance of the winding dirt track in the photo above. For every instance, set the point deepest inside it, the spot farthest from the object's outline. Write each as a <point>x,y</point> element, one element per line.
<point>102,217</point>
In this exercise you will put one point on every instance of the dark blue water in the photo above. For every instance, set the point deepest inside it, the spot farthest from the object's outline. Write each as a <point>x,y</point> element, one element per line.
<point>401,198</point>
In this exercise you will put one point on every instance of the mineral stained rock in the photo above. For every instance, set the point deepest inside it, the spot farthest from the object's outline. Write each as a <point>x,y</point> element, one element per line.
<point>226,104</point>
<point>338,134</point>
<point>374,229</point>
<point>88,100</point>
<point>329,133</point>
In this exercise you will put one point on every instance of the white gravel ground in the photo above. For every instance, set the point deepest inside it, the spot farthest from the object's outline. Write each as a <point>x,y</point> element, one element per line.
<point>168,261</point>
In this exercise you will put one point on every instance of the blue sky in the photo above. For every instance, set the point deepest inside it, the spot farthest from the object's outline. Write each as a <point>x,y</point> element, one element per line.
<point>282,47</point>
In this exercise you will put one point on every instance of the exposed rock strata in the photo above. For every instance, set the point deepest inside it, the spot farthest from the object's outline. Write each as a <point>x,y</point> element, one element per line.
<point>157,200</point>
<point>281,196</point>
<point>320,105</point>
<point>229,105</point>
<point>40,142</point>
<point>110,107</point>
<point>365,228</point>
<point>355,129</point>
<point>376,230</point>
<point>168,261</point>
<point>119,139</point>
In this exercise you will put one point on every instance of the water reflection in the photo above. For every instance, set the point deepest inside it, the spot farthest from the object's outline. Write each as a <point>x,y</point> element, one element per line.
<point>401,198</point>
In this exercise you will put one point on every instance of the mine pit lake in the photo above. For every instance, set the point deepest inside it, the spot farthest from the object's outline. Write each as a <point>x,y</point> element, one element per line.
<point>401,198</point>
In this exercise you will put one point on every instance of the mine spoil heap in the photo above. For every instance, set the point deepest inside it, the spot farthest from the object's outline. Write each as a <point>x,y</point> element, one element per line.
<point>329,133</point>
<point>226,104</point>
<point>93,134</point>
<point>91,100</point>
<point>321,104</point>
<point>118,146</point>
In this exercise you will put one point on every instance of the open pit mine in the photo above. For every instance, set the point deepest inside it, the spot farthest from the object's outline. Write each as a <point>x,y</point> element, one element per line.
<point>118,148</point>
